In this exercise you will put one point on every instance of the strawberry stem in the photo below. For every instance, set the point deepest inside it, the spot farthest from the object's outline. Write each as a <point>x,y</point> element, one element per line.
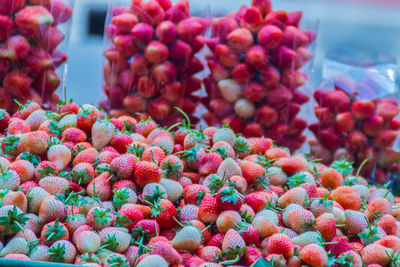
<point>230,262</point>
<point>178,222</point>
<point>188,124</point>
<point>205,229</point>
<point>173,126</point>
<point>361,166</point>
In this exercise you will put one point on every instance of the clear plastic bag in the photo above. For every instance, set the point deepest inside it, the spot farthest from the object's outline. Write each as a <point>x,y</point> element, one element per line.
<point>150,59</point>
<point>260,67</point>
<point>357,113</point>
<point>34,37</point>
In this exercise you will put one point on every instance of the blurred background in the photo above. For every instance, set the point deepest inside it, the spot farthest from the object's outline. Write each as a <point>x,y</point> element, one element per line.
<point>360,25</point>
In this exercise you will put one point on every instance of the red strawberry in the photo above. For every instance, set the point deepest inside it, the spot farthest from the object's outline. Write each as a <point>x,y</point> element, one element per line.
<point>164,213</point>
<point>229,199</point>
<point>314,255</point>
<point>208,210</point>
<point>147,172</point>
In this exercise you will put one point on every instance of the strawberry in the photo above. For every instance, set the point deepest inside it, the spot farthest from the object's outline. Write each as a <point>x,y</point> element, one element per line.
<point>264,226</point>
<point>73,135</point>
<point>189,238</point>
<point>51,209</point>
<point>348,197</point>
<point>233,244</point>
<point>280,244</point>
<point>100,186</point>
<point>98,218</point>
<point>314,255</point>
<point>300,220</point>
<point>86,156</point>
<point>54,184</point>
<point>16,245</point>
<point>166,251</point>
<point>62,251</point>
<point>164,212</point>
<point>208,210</point>
<point>296,195</point>
<point>356,221</point>
<point>102,133</point>
<point>60,155</point>
<point>54,231</point>
<point>331,178</point>
<point>375,253</point>
<point>152,261</point>
<point>147,172</point>
<point>123,166</point>
<point>229,199</point>
<point>209,163</point>
<point>251,171</point>
<point>388,223</point>
<point>229,168</point>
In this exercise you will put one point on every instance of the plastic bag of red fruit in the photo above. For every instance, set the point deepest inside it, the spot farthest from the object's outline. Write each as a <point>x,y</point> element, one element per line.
<point>357,113</point>
<point>151,59</point>
<point>33,36</point>
<point>260,62</point>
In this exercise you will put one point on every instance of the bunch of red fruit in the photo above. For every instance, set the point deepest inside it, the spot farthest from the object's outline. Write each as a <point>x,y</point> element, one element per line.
<point>30,35</point>
<point>77,187</point>
<point>358,129</point>
<point>151,65</point>
<point>254,82</point>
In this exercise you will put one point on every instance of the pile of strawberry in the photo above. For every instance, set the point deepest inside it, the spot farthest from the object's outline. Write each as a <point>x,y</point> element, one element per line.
<point>355,128</point>
<point>77,187</point>
<point>254,81</point>
<point>151,64</point>
<point>30,35</point>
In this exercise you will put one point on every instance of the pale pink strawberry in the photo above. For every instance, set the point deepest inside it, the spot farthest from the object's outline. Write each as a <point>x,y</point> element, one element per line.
<point>102,133</point>
<point>36,141</point>
<point>60,155</point>
<point>51,209</point>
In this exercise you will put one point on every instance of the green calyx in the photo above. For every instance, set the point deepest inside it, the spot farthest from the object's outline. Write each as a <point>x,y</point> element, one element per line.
<point>55,232</point>
<point>10,142</point>
<point>34,159</point>
<point>241,146</point>
<point>13,222</point>
<point>136,150</point>
<point>230,195</point>
<point>121,197</point>
<point>171,170</point>
<point>117,261</point>
<point>57,253</point>
<point>343,166</point>
<point>47,170</point>
<point>296,180</point>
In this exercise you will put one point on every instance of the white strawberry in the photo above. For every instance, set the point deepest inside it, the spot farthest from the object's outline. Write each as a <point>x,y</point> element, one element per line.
<point>102,133</point>
<point>60,155</point>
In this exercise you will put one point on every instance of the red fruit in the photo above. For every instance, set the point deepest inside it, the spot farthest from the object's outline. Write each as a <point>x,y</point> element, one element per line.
<point>356,141</point>
<point>387,110</point>
<point>251,130</point>
<point>252,18</point>
<point>266,116</point>
<point>11,6</point>
<point>240,39</point>
<point>325,117</point>
<point>223,26</point>
<point>142,33</point>
<point>47,82</point>
<point>255,92</point>
<point>265,6</point>
<point>257,57</point>
<point>32,20</point>
<point>7,27</point>
<point>156,52</point>
<point>338,101</point>
<point>270,36</point>
<point>18,83</point>
<point>280,244</point>
<point>147,87</point>
<point>330,138</point>
<point>385,138</point>
<point>278,96</point>
<point>152,13</point>
<point>345,122</point>
<point>189,28</point>
<point>340,247</point>
<point>284,57</point>
<point>293,79</point>
<point>164,72</point>
<point>15,48</point>
<point>166,32</point>
<point>269,76</point>
<point>121,142</point>
<point>227,56</point>
<point>229,199</point>
<point>165,214</point>
<point>125,45</point>
<point>159,109</point>
<point>73,135</point>
<point>178,12</point>
<point>125,22</point>
<point>50,38</point>
<point>147,172</point>
<point>242,73</point>
<point>294,37</point>
<point>314,255</point>
<point>362,110</point>
<point>373,125</point>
